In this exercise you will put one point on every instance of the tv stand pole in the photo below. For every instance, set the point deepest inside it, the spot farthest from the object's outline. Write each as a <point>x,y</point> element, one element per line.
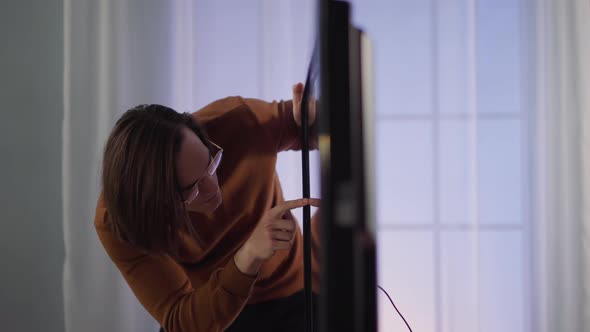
<point>308,316</point>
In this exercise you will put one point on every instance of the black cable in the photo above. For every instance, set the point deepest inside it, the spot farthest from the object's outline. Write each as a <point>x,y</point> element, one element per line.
<point>393,304</point>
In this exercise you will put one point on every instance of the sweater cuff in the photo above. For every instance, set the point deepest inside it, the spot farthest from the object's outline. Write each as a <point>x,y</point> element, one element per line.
<point>235,282</point>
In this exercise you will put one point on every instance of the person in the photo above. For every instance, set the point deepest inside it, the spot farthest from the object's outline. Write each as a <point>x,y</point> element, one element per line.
<point>193,215</point>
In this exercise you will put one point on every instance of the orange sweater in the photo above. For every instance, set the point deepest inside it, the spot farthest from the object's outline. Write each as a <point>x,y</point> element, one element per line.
<point>204,290</point>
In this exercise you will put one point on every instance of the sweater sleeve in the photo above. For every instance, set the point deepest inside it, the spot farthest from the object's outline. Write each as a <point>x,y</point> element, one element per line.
<point>277,120</point>
<point>163,288</point>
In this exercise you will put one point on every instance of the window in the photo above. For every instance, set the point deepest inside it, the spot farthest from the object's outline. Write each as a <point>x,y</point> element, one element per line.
<point>454,233</point>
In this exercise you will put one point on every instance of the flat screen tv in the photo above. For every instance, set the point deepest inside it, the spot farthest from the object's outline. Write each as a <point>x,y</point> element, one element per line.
<point>339,85</point>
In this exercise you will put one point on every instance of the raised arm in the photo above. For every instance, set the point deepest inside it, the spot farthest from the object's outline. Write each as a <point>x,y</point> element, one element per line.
<point>277,119</point>
<point>282,120</point>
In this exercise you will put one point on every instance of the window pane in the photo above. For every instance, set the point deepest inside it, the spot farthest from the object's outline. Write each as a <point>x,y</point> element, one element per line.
<point>406,272</point>
<point>500,190</point>
<point>501,281</point>
<point>498,56</point>
<point>456,173</point>
<point>458,281</point>
<point>452,56</point>
<point>404,172</point>
<point>403,53</point>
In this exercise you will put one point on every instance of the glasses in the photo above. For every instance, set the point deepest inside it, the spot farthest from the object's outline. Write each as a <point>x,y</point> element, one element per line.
<point>210,171</point>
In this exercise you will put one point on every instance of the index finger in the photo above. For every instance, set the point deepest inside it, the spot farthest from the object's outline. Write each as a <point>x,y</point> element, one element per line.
<point>288,205</point>
<point>315,202</point>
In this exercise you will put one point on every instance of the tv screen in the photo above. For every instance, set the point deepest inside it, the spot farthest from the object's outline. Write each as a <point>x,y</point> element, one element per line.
<point>339,85</point>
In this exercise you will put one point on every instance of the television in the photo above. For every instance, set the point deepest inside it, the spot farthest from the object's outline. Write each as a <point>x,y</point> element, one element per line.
<point>339,84</point>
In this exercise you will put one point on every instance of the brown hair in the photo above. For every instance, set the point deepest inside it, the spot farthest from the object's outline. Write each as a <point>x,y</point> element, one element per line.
<point>139,182</point>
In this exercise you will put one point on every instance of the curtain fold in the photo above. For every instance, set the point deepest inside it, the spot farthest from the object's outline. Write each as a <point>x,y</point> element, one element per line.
<point>96,75</point>
<point>582,19</point>
<point>562,158</point>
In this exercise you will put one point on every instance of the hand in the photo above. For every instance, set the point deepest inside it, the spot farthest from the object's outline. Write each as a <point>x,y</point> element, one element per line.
<point>297,99</point>
<point>272,233</point>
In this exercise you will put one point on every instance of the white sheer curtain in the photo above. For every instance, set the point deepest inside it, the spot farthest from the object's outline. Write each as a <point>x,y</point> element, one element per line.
<point>186,53</point>
<point>180,53</point>
<point>562,159</point>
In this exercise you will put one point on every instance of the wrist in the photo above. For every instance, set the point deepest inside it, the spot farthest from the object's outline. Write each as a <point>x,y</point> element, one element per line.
<point>246,262</point>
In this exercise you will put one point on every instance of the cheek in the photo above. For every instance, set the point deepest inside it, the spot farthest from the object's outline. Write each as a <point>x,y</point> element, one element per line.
<point>194,206</point>
<point>210,184</point>
<point>206,190</point>
<point>207,187</point>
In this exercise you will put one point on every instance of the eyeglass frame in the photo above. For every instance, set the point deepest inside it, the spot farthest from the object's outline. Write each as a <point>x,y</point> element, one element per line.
<point>211,169</point>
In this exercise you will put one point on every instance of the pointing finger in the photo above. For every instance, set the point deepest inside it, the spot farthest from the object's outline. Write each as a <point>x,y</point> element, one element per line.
<point>288,205</point>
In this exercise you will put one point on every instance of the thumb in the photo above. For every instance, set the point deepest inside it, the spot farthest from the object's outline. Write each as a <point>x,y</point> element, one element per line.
<point>297,89</point>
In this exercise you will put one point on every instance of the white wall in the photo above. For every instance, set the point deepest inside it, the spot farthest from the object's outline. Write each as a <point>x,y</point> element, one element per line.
<point>31,240</point>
